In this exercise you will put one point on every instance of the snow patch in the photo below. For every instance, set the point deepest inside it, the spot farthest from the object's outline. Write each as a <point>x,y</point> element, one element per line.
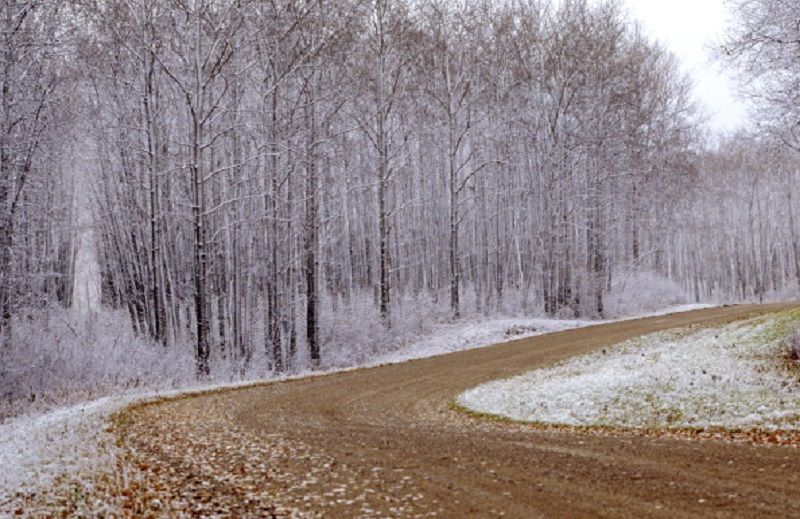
<point>730,377</point>
<point>677,310</point>
<point>450,338</point>
<point>35,451</point>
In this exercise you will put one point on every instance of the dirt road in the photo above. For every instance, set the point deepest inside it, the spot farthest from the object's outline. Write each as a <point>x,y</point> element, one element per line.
<point>385,441</point>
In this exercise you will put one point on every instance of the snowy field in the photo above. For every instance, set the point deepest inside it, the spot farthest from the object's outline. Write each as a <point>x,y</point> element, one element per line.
<point>731,377</point>
<point>34,450</point>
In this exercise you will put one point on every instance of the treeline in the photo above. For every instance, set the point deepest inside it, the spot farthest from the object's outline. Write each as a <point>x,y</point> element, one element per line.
<point>737,234</point>
<point>249,160</point>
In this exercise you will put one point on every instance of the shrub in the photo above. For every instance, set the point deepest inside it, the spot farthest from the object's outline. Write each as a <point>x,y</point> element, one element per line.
<point>792,344</point>
<point>640,292</point>
<point>57,356</point>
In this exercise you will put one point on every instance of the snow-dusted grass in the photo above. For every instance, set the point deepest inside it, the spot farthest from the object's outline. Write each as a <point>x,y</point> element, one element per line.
<point>74,441</point>
<point>732,377</point>
<point>35,451</point>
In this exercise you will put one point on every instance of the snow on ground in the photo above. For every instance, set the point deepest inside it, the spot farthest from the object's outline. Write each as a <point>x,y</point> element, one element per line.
<point>452,337</point>
<point>731,377</point>
<point>676,310</point>
<point>36,450</point>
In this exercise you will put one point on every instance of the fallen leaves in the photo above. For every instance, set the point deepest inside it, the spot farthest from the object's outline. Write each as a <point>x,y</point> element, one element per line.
<point>181,458</point>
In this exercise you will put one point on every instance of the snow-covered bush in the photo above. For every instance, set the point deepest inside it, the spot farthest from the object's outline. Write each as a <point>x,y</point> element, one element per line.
<point>58,356</point>
<point>789,292</point>
<point>352,333</point>
<point>638,292</point>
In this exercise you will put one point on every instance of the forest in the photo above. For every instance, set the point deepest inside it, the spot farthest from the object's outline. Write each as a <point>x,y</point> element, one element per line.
<point>234,188</point>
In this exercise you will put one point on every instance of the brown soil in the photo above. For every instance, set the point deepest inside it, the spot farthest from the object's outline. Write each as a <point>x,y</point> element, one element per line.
<point>387,442</point>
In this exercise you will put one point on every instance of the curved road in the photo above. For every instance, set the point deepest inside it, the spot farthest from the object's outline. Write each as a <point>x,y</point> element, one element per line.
<point>385,442</point>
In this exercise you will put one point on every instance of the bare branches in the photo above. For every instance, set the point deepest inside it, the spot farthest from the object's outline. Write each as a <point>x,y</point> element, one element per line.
<point>256,163</point>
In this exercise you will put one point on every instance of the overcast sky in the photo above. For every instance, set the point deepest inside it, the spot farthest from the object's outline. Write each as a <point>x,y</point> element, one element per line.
<point>687,27</point>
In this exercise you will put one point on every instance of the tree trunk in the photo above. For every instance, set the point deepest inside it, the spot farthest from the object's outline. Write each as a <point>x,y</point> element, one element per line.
<point>198,215</point>
<point>311,231</point>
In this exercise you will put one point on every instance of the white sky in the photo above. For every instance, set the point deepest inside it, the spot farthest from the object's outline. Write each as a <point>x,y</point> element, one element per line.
<point>687,28</point>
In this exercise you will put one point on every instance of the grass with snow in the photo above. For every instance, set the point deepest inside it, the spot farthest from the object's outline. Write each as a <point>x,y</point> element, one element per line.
<point>734,377</point>
<point>35,452</point>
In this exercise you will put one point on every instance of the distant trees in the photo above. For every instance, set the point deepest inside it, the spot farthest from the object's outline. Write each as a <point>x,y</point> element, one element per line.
<point>761,169</point>
<point>453,86</point>
<point>386,51</point>
<point>256,164</point>
<point>735,228</point>
<point>197,68</point>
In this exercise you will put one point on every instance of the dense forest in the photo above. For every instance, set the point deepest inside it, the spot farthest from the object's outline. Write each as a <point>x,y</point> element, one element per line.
<point>234,174</point>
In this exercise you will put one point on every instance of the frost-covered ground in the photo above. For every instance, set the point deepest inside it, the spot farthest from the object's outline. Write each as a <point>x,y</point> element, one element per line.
<point>35,450</point>
<point>731,377</point>
<point>452,337</point>
<point>448,338</point>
